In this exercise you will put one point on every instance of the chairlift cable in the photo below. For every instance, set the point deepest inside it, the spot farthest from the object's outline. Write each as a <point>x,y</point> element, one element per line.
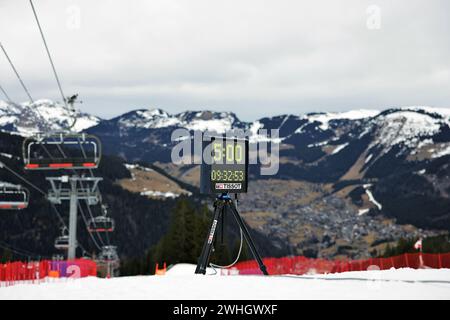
<point>55,73</point>
<point>49,55</point>
<point>62,153</point>
<point>32,100</point>
<point>96,232</point>
<point>16,249</point>
<point>65,103</point>
<point>92,217</point>
<point>86,223</point>
<point>57,212</point>
<point>23,86</point>
<point>5,94</point>
<point>3,165</point>
<point>101,200</point>
<point>20,252</point>
<point>61,220</point>
<point>107,239</point>
<point>16,73</point>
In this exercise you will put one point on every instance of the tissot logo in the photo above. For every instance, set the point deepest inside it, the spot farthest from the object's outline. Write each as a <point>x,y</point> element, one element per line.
<point>228,186</point>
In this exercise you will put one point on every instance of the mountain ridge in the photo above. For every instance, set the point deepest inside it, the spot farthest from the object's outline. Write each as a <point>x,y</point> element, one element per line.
<point>57,117</point>
<point>362,166</point>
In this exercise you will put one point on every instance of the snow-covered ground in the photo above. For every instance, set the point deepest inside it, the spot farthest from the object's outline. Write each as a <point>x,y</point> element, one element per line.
<point>180,283</point>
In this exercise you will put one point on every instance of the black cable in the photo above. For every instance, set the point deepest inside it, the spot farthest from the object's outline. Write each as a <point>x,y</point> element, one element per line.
<point>61,220</point>
<point>86,223</point>
<point>5,94</point>
<point>92,217</point>
<point>101,200</point>
<point>22,84</point>
<point>14,251</point>
<point>3,165</point>
<point>49,55</point>
<point>21,252</point>
<point>17,73</point>
<point>57,80</point>
<point>29,95</point>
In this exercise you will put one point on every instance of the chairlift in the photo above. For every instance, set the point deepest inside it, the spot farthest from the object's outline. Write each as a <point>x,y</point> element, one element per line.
<point>108,261</point>
<point>108,253</point>
<point>13,197</point>
<point>62,242</point>
<point>57,257</point>
<point>101,224</point>
<point>85,255</point>
<point>58,151</point>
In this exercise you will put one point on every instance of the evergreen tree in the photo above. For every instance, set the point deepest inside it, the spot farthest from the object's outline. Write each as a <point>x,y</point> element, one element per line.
<point>437,244</point>
<point>6,256</point>
<point>181,243</point>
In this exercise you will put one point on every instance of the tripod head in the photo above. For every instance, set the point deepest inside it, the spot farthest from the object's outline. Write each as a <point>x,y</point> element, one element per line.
<point>223,196</point>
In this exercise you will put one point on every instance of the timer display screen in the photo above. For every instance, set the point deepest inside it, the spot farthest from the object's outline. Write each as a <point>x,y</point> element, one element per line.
<point>228,169</point>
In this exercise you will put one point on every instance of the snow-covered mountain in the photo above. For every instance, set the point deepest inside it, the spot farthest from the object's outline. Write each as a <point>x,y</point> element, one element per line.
<point>219,122</point>
<point>41,115</point>
<point>414,129</point>
<point>145,134</point>
<point>418,132</point>
<point>317,147</point>
<point>395,161</point>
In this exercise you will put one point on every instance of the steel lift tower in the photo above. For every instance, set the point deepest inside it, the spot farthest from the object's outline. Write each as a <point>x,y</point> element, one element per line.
<point>74,189</point>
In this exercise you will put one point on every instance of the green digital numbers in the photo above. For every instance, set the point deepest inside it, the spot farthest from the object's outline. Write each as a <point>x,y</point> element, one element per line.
<point>230,153</point>
<point>227,175</point>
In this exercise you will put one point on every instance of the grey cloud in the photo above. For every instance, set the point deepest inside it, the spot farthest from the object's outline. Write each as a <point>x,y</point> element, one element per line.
<point>254,57</point>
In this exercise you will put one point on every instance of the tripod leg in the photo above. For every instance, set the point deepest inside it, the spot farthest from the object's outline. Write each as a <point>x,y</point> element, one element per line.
<point>248,238</point>
<point>208,245</point>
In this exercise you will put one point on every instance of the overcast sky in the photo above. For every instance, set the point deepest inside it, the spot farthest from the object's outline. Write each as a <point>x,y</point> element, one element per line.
<point>252,57</point>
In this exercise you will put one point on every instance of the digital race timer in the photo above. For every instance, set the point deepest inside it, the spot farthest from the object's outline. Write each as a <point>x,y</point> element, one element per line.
<point>225,166</point>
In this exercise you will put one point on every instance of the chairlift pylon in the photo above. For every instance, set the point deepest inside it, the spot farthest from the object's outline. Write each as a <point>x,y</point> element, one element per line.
<point>13,197</point>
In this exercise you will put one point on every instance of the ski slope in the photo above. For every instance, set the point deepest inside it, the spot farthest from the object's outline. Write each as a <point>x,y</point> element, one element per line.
<point>180,283</point>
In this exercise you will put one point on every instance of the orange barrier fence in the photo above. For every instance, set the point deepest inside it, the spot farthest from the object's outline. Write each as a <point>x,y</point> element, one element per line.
<point>37,271</point>
<point>302,265</point>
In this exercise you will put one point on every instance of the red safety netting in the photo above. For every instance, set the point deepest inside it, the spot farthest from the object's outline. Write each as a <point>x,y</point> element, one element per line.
<point>302,265</point>
<point>37,271</point>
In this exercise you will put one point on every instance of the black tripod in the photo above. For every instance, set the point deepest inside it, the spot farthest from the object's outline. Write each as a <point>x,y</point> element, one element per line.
<point>222,205</point>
